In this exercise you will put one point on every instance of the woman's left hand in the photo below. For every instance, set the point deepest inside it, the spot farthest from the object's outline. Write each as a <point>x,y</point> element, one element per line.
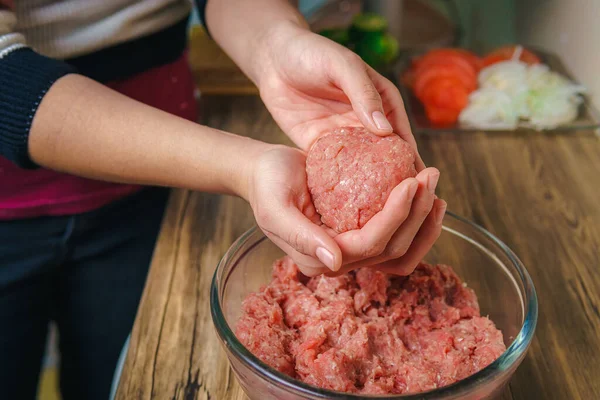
<point>312,85</point>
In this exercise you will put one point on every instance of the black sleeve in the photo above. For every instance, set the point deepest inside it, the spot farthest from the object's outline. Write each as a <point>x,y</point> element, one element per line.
<point>201,6</point>
<point>25,77</point>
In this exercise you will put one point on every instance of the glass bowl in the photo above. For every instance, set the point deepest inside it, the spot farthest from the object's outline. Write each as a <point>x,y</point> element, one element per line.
<point>503,286</point>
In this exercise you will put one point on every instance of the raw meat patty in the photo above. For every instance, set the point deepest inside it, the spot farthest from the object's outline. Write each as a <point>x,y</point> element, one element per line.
<point>367,332</point>
<point>351,173</point>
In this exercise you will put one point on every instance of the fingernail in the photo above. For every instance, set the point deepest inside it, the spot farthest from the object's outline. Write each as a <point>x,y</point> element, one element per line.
<point>381,121</point>
<point>432,182</point>
<point>325,257</point>
<point>439,216</point>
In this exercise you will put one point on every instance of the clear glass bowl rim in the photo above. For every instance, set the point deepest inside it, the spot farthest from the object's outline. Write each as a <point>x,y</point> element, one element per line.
<point>513,354</point>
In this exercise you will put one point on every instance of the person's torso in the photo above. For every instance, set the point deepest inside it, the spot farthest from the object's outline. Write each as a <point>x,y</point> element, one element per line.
<point>70,28</point>
<point>135,47</point>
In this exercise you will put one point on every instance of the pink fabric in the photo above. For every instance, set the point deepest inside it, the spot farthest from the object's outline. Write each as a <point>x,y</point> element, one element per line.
<point>41,192</point>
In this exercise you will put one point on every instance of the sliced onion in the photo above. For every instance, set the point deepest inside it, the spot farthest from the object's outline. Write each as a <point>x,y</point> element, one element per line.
<point>491,109</point>
<point>511,91</point>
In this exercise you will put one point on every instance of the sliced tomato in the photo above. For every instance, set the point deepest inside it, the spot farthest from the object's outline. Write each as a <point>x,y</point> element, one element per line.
<point>444,99</point>
<point>442,80</point>
<point>506,53</point>
<point>446,93</point>
<point>442,117</point>
<point>455,60</point>
<point>463,58</point>
<point>472,58</point>
<point>442,71</point>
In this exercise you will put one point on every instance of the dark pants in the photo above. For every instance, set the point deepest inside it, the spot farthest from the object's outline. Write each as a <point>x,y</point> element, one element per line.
<point>85,272</point>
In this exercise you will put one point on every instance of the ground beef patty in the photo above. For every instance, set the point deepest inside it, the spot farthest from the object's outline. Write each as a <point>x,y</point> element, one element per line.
<point>351,173</point>
<point>367,332</point>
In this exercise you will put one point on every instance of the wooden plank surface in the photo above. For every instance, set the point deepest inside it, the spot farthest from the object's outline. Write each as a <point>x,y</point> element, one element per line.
<point>540,194</point>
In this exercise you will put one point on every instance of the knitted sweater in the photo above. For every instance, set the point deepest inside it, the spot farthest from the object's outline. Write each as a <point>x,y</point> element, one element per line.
<point>43,40</point>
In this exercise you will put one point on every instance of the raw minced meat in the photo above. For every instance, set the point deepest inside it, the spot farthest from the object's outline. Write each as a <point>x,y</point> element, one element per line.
<point>367,332</point>
<point>351,173</point>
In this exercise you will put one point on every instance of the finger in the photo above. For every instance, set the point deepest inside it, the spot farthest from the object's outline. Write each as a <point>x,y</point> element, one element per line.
<point>428,234</point>
<point>430,231</point>
<point>421,208</point>
<point>393,104</point>
<point>348,267</point>
<point>308,265</point>
<point>356,248</point>
<point>396,113</point>
<point>304,237</point>
<point>419,163</point>
<point>372,239</point>
<point>356,83</point>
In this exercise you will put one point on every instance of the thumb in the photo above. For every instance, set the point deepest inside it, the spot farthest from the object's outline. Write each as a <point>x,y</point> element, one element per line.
<point>358,86</point>
<point>303,240</point>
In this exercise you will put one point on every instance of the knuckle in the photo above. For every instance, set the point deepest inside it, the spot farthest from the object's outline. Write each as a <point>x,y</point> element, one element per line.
<point>310,272</point>
<point>424,211</point>
<point>263,217</point>
<point>352,58</point>
<point>395,93</point>
<point>404,213</point>
<point>373,250</point>
<point>367,252</point>
<point>397,250</point>
<point>370,92</point>
<point>393,89</point>
<point>409,269</point>
<point>297,239</point>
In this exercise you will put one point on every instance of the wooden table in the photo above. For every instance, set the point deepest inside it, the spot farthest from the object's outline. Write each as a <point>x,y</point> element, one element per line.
<point>539,193</point>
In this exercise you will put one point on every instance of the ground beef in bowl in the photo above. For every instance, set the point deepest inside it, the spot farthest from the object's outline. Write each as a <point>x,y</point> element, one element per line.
<point>367,332</point>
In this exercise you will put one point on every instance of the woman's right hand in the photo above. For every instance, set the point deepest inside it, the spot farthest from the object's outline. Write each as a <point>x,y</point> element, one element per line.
<point>395,239</point>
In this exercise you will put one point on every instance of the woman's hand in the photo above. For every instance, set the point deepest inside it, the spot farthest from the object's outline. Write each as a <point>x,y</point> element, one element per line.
<point>312,85</point>
<point>395,239</point>
<point>283,208</point>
